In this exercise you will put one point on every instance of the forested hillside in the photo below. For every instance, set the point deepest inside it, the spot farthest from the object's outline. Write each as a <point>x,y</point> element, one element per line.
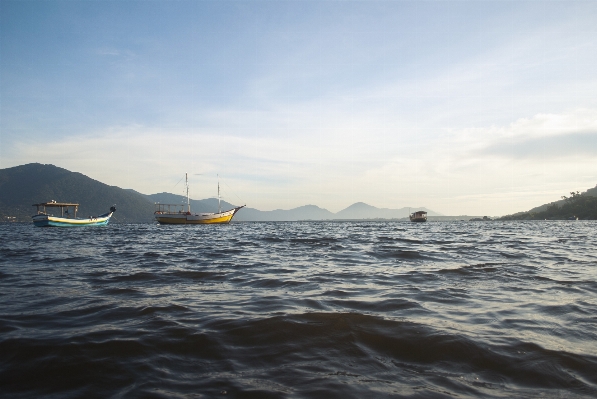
<point>576,206</point>
<point>23,186</point>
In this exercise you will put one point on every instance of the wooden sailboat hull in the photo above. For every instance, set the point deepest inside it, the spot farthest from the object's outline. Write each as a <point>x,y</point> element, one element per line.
<point>53,221</point>
<point>200,218</point>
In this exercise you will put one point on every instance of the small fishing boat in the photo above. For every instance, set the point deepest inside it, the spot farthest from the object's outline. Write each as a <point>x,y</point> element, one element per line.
<point>175,213</point>
<point>419,216</point>
<point>68,216</point>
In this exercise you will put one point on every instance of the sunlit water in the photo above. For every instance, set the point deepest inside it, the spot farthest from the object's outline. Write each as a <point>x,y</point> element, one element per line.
<point>300,310</point>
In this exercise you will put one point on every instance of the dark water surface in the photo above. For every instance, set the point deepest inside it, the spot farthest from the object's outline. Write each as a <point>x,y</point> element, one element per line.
<point>300,310</point>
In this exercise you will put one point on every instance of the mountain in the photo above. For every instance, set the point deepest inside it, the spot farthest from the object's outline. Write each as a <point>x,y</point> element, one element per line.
<point>306,212</point>
<point>360,210</point>
<point>22,186</point>
<point>357,211</point>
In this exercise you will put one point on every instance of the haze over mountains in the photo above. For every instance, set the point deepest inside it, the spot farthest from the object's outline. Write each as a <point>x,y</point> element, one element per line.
<point>24,185</point>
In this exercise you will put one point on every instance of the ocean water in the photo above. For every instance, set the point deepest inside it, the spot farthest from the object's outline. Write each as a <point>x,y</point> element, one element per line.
<point>300,310</point>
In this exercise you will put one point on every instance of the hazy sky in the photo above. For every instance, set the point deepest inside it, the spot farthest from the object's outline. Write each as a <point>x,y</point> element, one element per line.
<point>465,107</point>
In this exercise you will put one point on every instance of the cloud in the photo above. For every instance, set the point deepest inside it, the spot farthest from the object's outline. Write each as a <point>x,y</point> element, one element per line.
<point>582,144</point>
<point>548,136</point>
<point>146,159</point>
<point>108,51</point>
<point>494,170</point>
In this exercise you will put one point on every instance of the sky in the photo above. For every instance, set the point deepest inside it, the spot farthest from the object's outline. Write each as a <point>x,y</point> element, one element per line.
<point>463,107</point>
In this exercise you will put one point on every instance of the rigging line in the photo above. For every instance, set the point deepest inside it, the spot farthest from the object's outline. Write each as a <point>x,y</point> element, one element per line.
<point>182,199</point>
<point>178,181</point>
<point>241,201</point>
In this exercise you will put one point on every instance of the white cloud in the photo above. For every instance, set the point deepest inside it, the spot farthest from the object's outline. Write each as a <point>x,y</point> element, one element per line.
<point>108,51</point>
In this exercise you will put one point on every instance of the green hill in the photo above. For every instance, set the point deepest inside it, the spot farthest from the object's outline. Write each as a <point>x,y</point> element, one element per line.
<point>582,206</point>
<point>23,186</point>
<point>542,208</point>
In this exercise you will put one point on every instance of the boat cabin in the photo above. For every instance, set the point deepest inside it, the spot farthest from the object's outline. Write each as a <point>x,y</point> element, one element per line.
<point>419,216</point>
<point>165,209</point>
<point>66,209</point>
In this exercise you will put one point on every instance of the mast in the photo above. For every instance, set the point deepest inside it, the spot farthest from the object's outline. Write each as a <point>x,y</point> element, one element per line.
<point>219,200</point>
<point>186,178</point>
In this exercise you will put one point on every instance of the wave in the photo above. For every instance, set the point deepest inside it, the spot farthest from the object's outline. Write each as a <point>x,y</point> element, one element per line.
<point>308,354</point>
<point>295,310</point>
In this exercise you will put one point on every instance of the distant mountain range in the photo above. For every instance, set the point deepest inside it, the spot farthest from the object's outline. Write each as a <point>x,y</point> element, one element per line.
<point>22,186</point>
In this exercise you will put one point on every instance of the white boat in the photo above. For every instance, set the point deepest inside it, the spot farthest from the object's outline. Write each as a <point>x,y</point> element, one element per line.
<point>176,214</point>
<point>68,216</point>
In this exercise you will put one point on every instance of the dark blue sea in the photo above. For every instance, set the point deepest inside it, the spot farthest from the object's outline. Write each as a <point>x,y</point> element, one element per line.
<point>300,310</point>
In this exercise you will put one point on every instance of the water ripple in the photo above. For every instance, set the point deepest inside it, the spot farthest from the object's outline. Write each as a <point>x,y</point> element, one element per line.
<point>289,310</point>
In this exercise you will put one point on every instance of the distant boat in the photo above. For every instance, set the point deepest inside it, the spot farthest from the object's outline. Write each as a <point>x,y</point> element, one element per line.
<point>68,216</point>
<point>420,216</point>
<point>175,213</point>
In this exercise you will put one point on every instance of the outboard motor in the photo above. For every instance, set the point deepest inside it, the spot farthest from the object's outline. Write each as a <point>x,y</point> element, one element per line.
<point>113,208</point>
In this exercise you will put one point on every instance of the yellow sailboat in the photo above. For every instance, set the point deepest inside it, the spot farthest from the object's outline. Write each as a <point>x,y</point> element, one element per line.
<point>175,213</point>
